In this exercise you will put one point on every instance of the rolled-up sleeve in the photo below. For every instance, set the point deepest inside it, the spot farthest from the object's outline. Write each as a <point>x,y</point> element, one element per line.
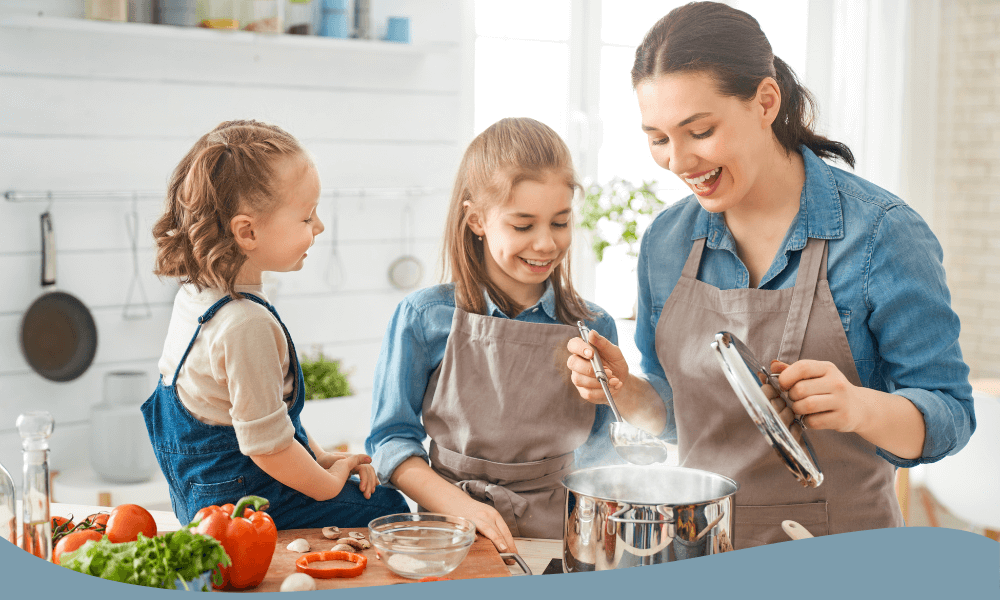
<point>255,362</point>
<point>401,375</point>
<point>917,333</point>
<point>645,341</point>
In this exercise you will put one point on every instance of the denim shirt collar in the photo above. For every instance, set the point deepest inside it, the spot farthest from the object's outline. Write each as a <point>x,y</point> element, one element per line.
<point>820,212</point>
<point>547,302</point>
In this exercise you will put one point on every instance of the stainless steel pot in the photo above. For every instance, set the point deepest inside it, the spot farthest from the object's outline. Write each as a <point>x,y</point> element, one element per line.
<point>626,516</point>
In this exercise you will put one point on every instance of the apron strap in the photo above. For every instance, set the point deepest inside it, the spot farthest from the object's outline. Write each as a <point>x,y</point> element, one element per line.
<point>811,261</point>
<point>694,259</point>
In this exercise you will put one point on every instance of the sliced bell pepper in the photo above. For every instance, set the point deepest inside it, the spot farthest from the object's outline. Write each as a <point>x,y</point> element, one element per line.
<point>302,564</point>
<point>248,536</point>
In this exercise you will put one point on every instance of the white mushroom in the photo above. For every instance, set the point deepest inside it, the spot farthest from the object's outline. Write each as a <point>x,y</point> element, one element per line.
<point>342,548</point>
<point>356,535</point>
<point>331,533</point>
<point>299,545</point>
<point>298,582</point>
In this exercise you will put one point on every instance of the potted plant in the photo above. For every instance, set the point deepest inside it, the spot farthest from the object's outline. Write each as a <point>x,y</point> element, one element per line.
<point>328,401</point>
<point>616,213</point>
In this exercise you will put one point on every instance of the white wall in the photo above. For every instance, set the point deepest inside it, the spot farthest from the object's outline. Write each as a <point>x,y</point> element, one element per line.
<point>111,107</point>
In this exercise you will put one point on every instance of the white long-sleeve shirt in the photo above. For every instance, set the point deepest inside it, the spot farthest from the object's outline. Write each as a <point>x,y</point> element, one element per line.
<point>237,373</point>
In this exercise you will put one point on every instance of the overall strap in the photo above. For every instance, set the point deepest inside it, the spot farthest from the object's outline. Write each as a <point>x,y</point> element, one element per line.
<point>292,355</point>
<point>694,259</point>
<point>201,321</point>
<point>811,262</point>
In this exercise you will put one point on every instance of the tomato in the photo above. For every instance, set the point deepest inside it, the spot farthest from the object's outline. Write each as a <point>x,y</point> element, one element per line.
<point>98,521</point>
<point>73,541</point>
<point>127,521</point>
<point>57,521</point>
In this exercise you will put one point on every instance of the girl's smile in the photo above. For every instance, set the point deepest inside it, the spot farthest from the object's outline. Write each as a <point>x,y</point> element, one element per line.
<point>526,238</point>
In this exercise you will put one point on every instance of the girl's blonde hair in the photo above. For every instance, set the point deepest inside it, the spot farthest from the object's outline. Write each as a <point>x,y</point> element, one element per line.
<point>229,171</point>
<point>506,153</point>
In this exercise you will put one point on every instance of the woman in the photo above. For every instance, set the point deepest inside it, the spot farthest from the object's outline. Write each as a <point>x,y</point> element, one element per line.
<point>837,279</point>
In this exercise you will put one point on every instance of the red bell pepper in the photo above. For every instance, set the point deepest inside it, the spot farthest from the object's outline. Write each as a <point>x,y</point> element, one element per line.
<point>248,536</point>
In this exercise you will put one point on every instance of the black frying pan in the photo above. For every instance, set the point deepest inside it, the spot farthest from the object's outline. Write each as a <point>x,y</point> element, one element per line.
<point>58,334</point>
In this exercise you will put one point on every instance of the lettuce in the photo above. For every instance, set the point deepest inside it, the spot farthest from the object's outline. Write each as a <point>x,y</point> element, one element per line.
<point>151,562</point>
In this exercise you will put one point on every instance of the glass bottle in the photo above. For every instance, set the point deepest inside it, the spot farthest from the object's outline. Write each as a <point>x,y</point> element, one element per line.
<point>8,514</point>
<point>35,428</point>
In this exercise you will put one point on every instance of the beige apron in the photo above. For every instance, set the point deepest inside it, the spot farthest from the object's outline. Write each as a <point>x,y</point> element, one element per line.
<point>504,418</point>
<point>714,431</point>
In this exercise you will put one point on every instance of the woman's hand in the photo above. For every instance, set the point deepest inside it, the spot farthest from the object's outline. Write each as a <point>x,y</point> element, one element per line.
<point>583,376</point>
<point>784,411</point>
<point>360,464</point>
<point>822,395</point>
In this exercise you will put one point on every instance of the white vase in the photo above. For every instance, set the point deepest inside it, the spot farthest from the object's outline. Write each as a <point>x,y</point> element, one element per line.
<point>120,450</point>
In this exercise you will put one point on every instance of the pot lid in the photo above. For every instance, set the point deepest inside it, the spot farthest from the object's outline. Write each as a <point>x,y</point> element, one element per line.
<point>748,377</point>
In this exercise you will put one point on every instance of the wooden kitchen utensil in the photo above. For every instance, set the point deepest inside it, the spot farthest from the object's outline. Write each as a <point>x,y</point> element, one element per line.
<point>795,531</point>
<point>482,561</point>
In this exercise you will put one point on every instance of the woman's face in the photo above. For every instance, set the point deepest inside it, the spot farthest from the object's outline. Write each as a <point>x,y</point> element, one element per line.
<point>527,238</point>
<point>714,143</point>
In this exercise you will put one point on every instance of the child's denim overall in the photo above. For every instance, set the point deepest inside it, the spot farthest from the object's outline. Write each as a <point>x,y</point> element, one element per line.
<point>204,466</point>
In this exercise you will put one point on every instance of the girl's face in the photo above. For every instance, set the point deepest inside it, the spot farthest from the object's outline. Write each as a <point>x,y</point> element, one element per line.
<point>714,143</point>
<point>283,237</point>
<point>526,238</point>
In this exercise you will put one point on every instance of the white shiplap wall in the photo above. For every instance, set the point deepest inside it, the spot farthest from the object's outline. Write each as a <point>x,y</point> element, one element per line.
<point>88,106</point>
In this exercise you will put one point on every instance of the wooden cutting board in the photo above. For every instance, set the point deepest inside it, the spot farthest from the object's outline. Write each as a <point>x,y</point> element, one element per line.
<point>483,560</point>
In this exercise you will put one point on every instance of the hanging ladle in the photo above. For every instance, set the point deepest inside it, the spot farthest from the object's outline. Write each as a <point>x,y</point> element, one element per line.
<point>631,443</point>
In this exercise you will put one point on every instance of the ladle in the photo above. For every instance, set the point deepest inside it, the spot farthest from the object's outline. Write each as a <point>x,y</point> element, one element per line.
<point>631,443</point>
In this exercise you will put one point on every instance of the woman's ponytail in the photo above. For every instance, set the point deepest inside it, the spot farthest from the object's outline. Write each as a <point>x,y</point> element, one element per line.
<point>795,122</point>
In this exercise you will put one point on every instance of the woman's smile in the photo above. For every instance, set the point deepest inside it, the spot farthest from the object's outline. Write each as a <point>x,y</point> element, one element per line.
<point>706,182</point>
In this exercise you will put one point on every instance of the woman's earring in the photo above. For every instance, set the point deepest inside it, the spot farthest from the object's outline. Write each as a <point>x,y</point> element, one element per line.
<point>480,238</point>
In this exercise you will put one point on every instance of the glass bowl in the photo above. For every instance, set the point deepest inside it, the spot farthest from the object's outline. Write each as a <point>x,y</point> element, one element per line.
<point>417,545</point>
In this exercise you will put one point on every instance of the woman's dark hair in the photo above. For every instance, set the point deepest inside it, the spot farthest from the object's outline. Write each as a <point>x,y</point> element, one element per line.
<point>729,44</point>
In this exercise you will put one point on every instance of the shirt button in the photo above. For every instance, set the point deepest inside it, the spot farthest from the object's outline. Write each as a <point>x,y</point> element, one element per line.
<point>534,310</point>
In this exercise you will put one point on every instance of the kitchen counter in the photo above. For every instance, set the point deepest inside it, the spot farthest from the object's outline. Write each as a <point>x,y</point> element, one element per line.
<point>536,552</point>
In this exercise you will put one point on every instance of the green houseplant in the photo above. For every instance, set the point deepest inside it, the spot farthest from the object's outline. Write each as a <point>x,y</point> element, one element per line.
<point>324,378</point>
<point>614,212</point>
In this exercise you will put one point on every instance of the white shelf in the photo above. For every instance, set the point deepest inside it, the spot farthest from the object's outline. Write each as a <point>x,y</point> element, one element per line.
<point>247,38</point>
<point>82,485</point>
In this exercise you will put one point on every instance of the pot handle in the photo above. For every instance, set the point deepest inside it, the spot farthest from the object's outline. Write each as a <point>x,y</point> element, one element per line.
<point>520,562</point>
<point>617,518</point>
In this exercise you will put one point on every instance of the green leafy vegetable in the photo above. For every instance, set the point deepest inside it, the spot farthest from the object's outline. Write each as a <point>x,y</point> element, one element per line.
<point>324,379</point>
<point>151,562</point>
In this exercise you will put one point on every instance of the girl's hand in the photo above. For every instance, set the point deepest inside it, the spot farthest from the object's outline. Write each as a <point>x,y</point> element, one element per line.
<point>822,394</point>
<point>326,459</point>
<point>360,464</point>
<point>583,376</point>
<point>488,522</point>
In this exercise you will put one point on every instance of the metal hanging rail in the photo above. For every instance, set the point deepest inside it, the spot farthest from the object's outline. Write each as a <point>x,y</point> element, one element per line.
<point>356,192</point>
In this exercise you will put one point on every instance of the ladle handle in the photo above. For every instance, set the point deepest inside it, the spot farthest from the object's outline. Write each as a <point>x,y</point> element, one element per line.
<point>598,365</point>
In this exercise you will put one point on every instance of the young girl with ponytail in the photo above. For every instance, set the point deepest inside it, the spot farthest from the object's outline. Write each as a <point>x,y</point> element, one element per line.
<point>224,419</point>
<point>836,279</point>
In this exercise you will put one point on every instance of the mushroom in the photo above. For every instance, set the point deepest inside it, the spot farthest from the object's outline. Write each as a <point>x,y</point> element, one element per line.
<point>331,533</point>
<point>298,582</point>
<point>356,535</point>
<point>299,545</point>
<point>355,543</point>
<point>342,548</point>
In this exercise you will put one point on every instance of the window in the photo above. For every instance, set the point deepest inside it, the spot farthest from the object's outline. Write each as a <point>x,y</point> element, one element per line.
<point>567,63</point>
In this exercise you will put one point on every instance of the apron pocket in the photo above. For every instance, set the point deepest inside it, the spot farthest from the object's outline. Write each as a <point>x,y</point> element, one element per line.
<point>217,494</point>
<point>759,525</point>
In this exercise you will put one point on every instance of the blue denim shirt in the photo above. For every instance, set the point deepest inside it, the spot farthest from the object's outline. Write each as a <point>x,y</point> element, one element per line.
<point>886,277</point>
<point>414,346</point>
